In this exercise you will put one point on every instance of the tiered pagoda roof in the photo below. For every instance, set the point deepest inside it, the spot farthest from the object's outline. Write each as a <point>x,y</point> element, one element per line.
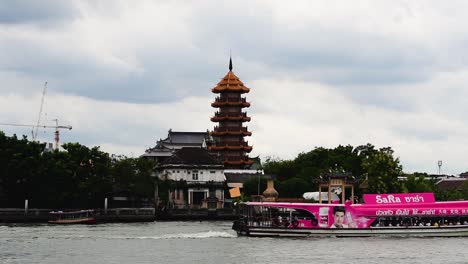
<point>229,143</point>
<point>230,117</point>
<point>230,102</point>
<point>242,131</point>
<point>231,83</point>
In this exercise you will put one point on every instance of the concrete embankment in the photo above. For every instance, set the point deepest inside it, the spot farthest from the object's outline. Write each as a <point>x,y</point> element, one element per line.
<point>19,215</point>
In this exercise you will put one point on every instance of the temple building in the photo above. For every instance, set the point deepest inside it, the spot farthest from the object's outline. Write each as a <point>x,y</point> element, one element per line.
<point>174,141</point>
<point>229,145</point>
<point>198,177</point>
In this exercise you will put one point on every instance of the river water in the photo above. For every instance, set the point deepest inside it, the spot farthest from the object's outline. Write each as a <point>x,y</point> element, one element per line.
<point>209,242</point>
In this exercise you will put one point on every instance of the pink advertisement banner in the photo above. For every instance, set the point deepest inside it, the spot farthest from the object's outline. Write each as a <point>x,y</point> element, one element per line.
<point>363,215</point>
<point>399,198</point>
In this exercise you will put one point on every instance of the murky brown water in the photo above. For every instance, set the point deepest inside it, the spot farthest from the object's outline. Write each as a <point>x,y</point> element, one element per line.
<point>209,242</point>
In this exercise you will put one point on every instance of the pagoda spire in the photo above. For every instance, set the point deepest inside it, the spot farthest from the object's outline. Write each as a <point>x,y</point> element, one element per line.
<point>230,64</point>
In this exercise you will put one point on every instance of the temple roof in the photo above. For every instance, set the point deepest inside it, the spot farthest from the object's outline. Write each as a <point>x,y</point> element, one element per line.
<point>186,137</point>
<point>451,184</point>
<point>232,83</point>
<point>328,176</point>
<point>257,163</point>
<point>192,156</point>
<point>178,140</point>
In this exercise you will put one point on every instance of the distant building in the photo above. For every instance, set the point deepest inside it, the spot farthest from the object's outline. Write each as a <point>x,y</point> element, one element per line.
<point>450,184</point>
<point>199,178</point>
<point>49,147</point>
<point>165,148</point>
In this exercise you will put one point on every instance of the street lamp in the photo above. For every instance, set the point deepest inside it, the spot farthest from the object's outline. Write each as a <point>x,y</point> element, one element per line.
<point>439,163</point>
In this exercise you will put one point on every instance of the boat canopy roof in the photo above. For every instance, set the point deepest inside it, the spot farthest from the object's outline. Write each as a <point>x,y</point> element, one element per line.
<point>316,196</point>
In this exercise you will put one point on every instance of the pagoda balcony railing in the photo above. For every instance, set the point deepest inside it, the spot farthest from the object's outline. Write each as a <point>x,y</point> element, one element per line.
<point>242,114</point>
<point>231,102</point>
<point>234,100</point>
<point>219,117</point>
<point>243,158</point>
<point>246,143</point>
<point>231,148</point>
<point>231,133</point>
<point>232,143</point>
<point>230,129</point>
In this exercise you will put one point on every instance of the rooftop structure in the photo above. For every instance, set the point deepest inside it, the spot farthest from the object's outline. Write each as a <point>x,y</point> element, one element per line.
<point>176,140</point>
<point>451,184</point>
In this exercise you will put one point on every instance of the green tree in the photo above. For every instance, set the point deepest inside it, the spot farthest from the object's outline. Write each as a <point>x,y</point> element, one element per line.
<point>293,188</point>
<point>417,182</point>
<point>251,186</point>
<point>19,160</point>
<point>282,169</point>
<point>382,171</point>
<point>91,171</point>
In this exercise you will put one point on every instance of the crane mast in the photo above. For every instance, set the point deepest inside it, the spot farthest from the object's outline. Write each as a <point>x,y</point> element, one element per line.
<point>34,134</point>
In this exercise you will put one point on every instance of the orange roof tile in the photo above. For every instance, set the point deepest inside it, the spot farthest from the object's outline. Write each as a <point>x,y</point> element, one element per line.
<point>230,82</point>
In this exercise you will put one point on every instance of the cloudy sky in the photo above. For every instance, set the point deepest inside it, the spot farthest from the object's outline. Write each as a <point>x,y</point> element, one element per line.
<point>321,73</point>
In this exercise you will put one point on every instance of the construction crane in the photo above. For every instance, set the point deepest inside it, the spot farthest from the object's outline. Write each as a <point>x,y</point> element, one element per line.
<point>57,127</point>
<point>34,132</point>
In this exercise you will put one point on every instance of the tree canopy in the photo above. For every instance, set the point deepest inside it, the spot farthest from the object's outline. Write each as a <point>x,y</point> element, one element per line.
<point>77,177</point>
<point>376,171</point>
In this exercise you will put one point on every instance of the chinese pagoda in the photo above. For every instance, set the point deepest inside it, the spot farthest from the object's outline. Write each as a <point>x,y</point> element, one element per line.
<point>229,143</point>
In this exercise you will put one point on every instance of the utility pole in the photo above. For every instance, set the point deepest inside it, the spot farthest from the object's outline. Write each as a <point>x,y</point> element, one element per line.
<point>439,163</point>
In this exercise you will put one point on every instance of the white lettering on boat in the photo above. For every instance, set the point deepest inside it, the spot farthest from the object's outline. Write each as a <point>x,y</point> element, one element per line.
<point>402,212</point>
<point>384,212</point>
<point>414,199</point>
<point>387,200</point>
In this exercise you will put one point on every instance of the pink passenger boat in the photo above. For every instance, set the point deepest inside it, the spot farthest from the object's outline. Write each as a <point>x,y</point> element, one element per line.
<point>406,214</point>
<point>73,217</point>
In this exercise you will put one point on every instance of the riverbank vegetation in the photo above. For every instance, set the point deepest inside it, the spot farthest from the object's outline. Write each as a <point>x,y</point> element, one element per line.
<point>82,177</point>
<point>77,177</point>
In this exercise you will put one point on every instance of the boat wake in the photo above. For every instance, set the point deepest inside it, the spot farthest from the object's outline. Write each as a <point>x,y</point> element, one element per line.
<point>209,234</point>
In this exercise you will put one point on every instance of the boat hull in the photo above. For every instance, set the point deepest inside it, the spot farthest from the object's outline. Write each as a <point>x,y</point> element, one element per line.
<point>86,221</point>
<point>445,231</point>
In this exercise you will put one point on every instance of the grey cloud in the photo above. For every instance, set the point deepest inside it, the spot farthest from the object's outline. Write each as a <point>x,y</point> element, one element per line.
<point>32,11</point>
<point>336,56</point>
<point>425,133</point>
<point>165,76</point>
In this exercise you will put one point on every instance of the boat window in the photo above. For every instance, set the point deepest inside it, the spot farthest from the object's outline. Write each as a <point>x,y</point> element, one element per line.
<point>417,221</point>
